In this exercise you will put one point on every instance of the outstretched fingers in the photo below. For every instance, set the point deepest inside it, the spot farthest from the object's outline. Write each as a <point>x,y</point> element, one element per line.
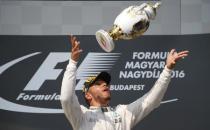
<point>182,54</point>
<point>174,56</point>
<point>78,51</point>
<point>72,40</point>
<point>172,51</point>
<point>75,50</point>
<point>76,46</point>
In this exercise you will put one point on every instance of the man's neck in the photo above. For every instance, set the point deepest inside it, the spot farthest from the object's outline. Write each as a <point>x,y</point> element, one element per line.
<point>102,109</point>
<point>99,104</point>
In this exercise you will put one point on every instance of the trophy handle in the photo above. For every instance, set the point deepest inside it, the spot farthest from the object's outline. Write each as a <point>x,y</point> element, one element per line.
<point>104,40</point>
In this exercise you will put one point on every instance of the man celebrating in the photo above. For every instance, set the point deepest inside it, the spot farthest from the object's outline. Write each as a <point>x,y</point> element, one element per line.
<point>100,116</point>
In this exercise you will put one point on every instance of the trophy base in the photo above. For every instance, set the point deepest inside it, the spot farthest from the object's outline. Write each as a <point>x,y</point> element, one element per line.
<point>104,40</point>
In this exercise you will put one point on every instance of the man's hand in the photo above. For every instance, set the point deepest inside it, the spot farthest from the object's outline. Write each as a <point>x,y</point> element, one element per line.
<point>173,57</point>
<point>75,48</point>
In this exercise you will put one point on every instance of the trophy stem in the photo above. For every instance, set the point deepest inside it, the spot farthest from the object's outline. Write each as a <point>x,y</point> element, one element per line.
<point>115,32</point>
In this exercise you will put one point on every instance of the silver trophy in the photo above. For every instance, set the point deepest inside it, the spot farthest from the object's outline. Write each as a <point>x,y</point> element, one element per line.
<point>130,23</point>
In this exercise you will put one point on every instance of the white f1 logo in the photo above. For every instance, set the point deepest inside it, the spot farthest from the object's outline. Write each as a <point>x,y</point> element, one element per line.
<point>46,71</point>
<point>91,65</point>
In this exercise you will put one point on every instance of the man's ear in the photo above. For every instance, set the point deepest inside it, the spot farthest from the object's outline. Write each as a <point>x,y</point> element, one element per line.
<point>88,96</point>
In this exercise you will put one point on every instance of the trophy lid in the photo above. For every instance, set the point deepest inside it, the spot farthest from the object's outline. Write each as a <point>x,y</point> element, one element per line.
<point>104,40</point>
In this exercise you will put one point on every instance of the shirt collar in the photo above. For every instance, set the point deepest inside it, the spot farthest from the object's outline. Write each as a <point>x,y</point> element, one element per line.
<point>102,109</point>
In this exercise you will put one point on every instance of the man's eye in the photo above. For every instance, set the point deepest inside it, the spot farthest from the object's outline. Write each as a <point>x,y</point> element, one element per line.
<point>97,84</point>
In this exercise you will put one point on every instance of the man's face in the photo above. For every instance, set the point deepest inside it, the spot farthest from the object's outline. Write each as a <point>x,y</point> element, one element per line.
<point>100,92</point>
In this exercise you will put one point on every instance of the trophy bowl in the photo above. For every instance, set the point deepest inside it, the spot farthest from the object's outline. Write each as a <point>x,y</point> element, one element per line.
<point>132,22</point>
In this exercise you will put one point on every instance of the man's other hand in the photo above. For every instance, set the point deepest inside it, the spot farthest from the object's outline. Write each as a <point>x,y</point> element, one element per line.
<point>75,48</point>
<point>174,56</point>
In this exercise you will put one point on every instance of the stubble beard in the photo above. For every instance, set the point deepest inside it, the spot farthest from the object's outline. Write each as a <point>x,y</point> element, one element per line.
<point>104,99</point>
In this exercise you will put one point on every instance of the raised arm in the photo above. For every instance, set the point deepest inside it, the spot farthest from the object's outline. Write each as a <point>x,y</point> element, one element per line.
<point>144,105</point>
<point>69,101</point>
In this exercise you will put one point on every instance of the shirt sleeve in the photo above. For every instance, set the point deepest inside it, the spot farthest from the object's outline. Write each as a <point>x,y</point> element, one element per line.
<point>69,100</point>
<point>151,100</point>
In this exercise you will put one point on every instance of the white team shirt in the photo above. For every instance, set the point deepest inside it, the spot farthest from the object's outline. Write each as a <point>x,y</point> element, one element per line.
<point>122,117</point>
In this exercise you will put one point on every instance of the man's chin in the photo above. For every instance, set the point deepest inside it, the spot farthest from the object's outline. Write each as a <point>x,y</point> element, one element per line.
<point>108,95</point>
<point>108,98</point>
